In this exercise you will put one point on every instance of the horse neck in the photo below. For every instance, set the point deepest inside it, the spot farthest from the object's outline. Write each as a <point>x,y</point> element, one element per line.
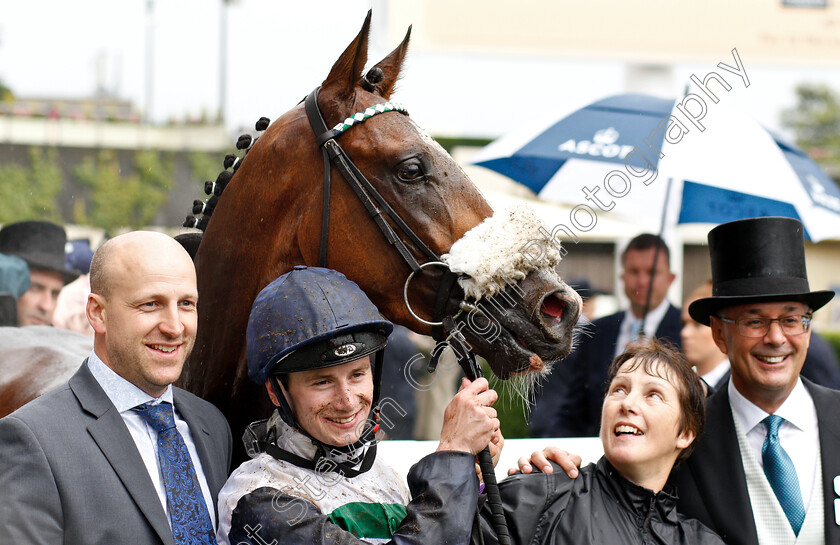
<point>248,224</point>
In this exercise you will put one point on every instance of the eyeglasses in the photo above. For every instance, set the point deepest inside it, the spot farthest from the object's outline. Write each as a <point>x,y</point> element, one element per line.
<point>795,324</point>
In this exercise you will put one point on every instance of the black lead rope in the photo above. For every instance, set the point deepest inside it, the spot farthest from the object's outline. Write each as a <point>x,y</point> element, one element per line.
<point>472,370</point>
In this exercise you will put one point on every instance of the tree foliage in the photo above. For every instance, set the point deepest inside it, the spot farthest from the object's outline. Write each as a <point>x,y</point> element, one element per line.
<point>204,166</point>
<point>31,192</point>
<point>815,121</point>
<point>119,201</point>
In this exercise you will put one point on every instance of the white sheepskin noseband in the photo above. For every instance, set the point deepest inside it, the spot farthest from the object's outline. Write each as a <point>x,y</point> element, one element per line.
<point>495,251</point>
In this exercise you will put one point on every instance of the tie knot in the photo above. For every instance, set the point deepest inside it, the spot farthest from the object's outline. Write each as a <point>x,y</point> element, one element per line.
<point>160,416</point>
<point>772,423</point>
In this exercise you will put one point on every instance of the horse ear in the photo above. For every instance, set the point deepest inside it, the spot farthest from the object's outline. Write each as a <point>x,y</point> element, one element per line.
<point>347,70</point>
<point>390,67</point>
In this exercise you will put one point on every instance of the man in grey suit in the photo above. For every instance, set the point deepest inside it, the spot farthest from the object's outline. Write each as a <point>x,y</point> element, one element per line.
<point>104,459</point>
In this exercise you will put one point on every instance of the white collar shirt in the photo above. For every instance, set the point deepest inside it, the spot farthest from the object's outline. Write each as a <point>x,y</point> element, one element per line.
<point>798,435</point>
<point>712,377</point>
<point>651,324</point>
<point>125,396</point>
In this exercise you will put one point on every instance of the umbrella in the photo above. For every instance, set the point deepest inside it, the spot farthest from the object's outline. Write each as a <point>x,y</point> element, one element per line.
<point>715,165</point>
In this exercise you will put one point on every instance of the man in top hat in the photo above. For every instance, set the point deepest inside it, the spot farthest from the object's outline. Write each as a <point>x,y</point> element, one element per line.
<point>766,469</point>
<point>41,245</point>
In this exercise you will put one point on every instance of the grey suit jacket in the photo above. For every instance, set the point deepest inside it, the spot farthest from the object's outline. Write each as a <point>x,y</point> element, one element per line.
<point>712,485</point>
<point>70,472</point>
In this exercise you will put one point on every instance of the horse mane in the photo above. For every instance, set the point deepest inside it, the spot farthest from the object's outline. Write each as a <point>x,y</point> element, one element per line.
<point>231,163</point>
<point>245,142</point>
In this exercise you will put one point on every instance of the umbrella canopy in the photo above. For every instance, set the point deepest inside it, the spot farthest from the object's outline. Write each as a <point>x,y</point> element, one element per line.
<point>652,159</point>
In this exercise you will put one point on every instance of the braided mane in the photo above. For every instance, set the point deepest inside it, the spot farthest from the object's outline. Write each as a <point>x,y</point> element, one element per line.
<point>231,163</point>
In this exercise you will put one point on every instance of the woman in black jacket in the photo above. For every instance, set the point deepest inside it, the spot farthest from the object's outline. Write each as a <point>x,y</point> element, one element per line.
<point>653,410</point>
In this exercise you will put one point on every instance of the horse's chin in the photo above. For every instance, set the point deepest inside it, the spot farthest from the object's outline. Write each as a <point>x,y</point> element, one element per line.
<point>528,334</point>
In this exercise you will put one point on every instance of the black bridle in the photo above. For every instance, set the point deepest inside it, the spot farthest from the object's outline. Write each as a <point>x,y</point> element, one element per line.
<point>376,207</point>
<point>373,202</point>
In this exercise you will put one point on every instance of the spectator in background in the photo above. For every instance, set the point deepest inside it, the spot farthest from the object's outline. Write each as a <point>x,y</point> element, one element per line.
<point>583,384</point>
<point>70,307</point>
<point>699,346</point>
<point>41,245</point>
<point>14,281</point>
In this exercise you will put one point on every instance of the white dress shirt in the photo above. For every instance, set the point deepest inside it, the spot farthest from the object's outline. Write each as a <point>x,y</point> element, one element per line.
<point>125,395</point>
<point>652,320</point>
<point>798,435</point>
<point>713,376</point>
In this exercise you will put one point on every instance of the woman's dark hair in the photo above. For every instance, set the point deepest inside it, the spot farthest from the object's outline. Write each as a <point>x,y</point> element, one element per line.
<point>662,359</point>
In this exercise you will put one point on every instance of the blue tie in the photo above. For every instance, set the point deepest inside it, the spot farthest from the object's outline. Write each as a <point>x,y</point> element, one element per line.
<point>188,513</point>
<point>781,474</point>
<point>635,331</point>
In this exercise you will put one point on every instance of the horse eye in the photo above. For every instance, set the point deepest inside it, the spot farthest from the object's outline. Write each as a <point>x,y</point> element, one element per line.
<point>411,171</point>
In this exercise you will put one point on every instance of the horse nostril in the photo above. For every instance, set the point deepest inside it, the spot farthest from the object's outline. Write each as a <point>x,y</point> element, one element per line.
<point>553,306</point>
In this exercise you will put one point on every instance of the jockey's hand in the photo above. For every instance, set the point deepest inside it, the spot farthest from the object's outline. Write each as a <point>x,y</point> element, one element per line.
<point>470,421</point>
<point>539,459</point>
<point>496,444</point>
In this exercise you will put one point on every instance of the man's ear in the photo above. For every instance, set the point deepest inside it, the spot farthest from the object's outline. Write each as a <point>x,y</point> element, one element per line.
<point>271,394</point>
<point>96,311</point>
<point>717,333</point>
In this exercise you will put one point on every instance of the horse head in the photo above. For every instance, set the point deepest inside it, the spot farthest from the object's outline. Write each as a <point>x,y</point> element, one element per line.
<point>269,219</point>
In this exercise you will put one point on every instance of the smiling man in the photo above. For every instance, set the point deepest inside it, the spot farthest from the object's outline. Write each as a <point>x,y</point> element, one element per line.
<point>764,470</point>
<point>118,454</point>
<point>316,341</point>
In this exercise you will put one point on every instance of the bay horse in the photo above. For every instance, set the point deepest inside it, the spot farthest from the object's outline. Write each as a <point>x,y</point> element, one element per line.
<point>36,359</point>
<point>269,218</point>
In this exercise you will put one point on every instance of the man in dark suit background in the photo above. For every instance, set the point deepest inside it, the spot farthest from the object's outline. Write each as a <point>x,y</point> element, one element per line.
<point>106,458</point>
<point>576,410</point>
<point>767,423</point>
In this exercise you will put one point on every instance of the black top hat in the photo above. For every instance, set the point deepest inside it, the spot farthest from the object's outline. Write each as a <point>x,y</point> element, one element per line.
<point>40,244</point>
<point>757,260</point>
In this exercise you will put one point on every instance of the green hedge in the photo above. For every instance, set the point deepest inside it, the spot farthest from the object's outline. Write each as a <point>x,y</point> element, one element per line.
<point>833,339</point>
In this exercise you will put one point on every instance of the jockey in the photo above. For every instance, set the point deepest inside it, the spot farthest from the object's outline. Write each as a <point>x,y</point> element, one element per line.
<point>316,341</point>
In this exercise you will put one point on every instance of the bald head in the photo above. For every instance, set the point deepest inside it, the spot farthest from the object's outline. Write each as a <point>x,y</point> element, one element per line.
<point>121,256</point>
<point>143,308</point>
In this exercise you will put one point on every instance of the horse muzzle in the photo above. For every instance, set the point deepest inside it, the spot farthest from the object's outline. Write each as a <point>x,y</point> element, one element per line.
<point>524,328</point>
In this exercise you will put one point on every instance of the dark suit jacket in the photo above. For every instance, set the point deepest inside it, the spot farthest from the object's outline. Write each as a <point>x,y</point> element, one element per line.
<point>712,485</point>
<point>582,378</point>
<point>70,472</point>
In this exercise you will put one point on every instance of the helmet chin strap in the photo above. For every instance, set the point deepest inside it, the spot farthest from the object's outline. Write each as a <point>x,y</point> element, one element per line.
<point>322,461</point>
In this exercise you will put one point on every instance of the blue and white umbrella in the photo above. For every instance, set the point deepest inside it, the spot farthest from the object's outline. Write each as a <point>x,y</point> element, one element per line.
<point>648,158</point>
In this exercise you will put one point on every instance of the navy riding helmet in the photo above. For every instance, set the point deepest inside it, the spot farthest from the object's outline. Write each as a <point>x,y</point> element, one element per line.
<point>312,318</point>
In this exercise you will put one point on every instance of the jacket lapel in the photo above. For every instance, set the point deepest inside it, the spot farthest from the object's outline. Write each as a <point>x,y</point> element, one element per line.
<point>110,434</point>
<point>827,403</point>
<point>717,466</point>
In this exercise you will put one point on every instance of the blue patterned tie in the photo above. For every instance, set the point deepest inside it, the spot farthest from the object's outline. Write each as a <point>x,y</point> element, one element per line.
<point>781,474</point>
<point>188,513</point>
